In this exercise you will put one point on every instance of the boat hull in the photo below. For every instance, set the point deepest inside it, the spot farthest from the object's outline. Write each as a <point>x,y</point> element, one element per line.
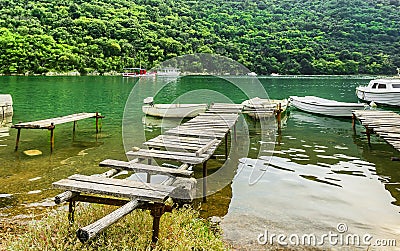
<point>385,98</point>
<point>325,107</point>
<point>174,110</point>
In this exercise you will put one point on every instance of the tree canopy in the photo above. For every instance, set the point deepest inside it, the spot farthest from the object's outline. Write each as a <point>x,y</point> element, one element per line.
<point>284,36</point>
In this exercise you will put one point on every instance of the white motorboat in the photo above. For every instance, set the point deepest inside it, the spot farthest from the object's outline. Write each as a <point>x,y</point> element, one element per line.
<point>381,91</point>
<point>169,72</point>
<point>252,74</point>
<point>258,107</point>
<point>137,72</point>
<point>325,106</point>
<point>172,110</point>
<point>6,106</point>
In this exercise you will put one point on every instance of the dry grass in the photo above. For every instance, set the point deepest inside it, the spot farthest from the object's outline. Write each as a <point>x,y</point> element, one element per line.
<point>180,230</point>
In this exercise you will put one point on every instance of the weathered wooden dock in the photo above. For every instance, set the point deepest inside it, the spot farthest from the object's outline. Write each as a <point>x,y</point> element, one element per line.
<point>51,123</point>
<point>386,124</point>
<point>191,143</point>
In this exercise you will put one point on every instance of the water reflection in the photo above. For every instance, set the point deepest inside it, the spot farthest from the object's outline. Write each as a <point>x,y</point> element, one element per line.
<point>320,175</point>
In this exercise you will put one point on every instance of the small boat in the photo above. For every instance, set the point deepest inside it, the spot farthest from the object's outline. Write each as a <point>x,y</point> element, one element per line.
<point>169,72</point>
<point>252,74</point>
<point>6,106</point>
<point>257,107</point>
<point>172,110</point>
<point>137,72</point>
<point>325,106</point>
<point>381,91</point>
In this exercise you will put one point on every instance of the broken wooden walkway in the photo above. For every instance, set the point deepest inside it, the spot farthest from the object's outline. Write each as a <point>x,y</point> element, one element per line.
<point>51,123</point>
<point>386,124</point>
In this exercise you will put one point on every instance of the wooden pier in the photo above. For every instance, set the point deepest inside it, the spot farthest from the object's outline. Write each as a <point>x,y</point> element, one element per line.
<point>386,124</point>
<point>50,124</point>
<point>191,143</point>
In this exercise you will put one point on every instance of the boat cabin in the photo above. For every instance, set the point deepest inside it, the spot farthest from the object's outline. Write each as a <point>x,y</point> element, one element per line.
<point>384,85</point>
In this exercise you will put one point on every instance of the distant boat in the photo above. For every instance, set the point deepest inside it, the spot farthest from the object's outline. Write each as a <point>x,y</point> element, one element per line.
<point>137,72</point>
<point>381,91</point>
<point>172,110</point>
<point>275,74</point>
<point>257,107</point>
<point>252,74</point>
<point>169,71</point>
<point>325,106</point>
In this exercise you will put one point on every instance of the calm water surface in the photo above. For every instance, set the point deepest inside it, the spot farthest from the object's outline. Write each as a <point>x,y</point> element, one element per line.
<point>320,174</point>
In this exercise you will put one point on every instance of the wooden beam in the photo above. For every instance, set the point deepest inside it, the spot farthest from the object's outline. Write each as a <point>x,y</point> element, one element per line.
<point>86,233</point>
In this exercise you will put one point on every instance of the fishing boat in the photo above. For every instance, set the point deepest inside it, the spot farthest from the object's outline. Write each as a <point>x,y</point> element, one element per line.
<point>172,110</point>
<point>137,72</point>
<point>6,105</point>
<point>257,107</point>
<point>169,72</point>
<point>381,91</point>
<point>325,106</point>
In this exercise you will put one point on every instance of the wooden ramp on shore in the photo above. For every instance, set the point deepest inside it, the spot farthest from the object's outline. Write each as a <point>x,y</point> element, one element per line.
<point>50,124</point>
<point>386,124</point>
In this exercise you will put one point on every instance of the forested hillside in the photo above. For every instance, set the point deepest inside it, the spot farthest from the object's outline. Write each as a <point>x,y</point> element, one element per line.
<point>283,36</point>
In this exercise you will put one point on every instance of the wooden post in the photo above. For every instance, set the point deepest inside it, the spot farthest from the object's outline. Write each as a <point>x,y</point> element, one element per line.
<point>71,211</point>
<point>148,176</point>
<point>73,131</point>
<point>368,132</point>
<point>17,141</point>
<point>234,132</point>
<point>97,122</point>
<point>156,211</point>
<point>279,115</point>
<point>205,181</point>
<point>353,122</point>
<point>226,146</point>
<point>51,128</point>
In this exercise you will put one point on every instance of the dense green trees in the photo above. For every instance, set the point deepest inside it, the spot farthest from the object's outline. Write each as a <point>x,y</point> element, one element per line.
<point>285,36</point>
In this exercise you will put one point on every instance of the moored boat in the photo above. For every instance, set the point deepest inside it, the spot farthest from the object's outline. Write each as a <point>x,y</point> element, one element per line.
<point>6,105</point>
<point>325,106</point>
<point>172,110</point>
<point>137,72</point>
<point>169,72</point>
<point>381,91</point>
<point>257,107</point>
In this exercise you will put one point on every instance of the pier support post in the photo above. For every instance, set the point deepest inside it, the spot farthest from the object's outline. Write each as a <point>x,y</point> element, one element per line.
<point>17,141</point>
<point>368,132</point>
<point>97,122</point>
<point>51,128</point>
<point>226,146</point>
<point>353,122</point>
<point>71,210</point>
<point>156,211</point>
<point>279,115</point>
<point>205,181</point>
<point>73,131</point>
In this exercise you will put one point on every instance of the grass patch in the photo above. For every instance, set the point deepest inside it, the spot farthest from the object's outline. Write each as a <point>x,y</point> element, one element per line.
<point>182,229</point>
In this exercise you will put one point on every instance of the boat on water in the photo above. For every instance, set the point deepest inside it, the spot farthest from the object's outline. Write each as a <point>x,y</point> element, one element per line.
<point>137,72</point>
<point>172,110</point>
<point>381,91</point>
<point>169,72</point>
<point>326,107</point>
<point>258,107</point>
<point>6,105</point>
<point>252,74</point>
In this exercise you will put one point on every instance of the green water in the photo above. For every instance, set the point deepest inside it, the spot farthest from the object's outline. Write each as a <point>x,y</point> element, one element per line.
<point>321,173</point>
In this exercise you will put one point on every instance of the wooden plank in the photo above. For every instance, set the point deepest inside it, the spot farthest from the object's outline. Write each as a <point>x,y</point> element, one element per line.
<point>206,147</point>
<point>121,183</point>
<point>111,190</point>
<point>168,155</point>
<point>137,167</point>
<point>45,123</point>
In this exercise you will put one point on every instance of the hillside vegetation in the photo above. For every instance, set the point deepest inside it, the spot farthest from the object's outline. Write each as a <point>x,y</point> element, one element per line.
<point>284,36</point>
